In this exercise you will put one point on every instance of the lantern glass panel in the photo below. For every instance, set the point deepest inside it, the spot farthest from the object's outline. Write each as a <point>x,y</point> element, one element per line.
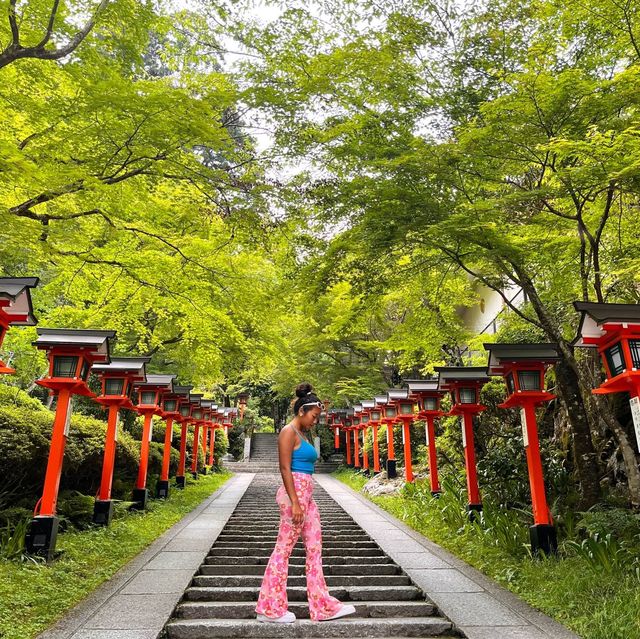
<point>529,380</point>
<point>170,405</point>
<point>634,347</point>
<point>148,398</point>
<point>114,386</point>
<point>365,419</point>
<point>390,411</point>
<point>375,415</point>
<point>197,413</point>
<point>615,359</point>
<point>184,410</point>
<point>406,408</point>
<point>467,395</point>
<point>86,367</point>
<point>64,366</point>
<point>356,421</point>
<point>510,385</point>
<point>429,403</point>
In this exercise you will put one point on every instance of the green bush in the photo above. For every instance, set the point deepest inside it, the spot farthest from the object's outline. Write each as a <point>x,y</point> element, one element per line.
<point>25,437</point>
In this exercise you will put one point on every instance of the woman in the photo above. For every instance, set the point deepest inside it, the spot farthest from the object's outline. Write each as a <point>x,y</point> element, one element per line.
<point>298,514</point>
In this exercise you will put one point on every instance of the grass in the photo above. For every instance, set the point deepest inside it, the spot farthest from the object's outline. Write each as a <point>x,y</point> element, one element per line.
<point>34,596</point>
<point>598,597</point>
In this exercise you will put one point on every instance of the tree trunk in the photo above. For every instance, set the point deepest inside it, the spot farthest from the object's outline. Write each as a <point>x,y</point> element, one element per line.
<point>584,452</point>
<point>631,468</point>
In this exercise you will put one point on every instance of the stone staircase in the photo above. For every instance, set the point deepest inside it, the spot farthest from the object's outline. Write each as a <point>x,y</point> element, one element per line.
<point>264,457</point>
<point>221,599</point>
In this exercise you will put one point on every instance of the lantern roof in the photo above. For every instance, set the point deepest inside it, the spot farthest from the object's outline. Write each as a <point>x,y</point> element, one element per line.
<point>357,408</point>
<point>380,400</point>
<point>368,404</point>
<point>161,380</point>
<point>195,398</point>
<point>96,341</point>
<point>394,394</point>
<point>134,367</point>
<point>182,390</point>
<point>16,291</point>
<point>595,315</point>
<point>503,354</point>
<point>349,412</point>
<point>422,385</point>
<point>451,374</point>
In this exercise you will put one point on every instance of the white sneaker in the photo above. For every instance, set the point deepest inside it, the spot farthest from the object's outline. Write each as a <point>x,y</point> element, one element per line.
<point>347,609</point>
<point>288,617</point>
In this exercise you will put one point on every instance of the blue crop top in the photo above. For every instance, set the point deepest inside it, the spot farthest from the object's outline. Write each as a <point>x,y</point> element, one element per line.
<point>304,458</point>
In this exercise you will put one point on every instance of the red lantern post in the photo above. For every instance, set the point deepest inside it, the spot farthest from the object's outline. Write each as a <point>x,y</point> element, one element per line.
<point>464,384</point>
<point>375,415</point>
<point>184,409</point>
<point>405,405</point>
<point>150,393</point>
<point>216,415</point>
<point>523,367</point>
<point>346,420</point>
<point>117,380</point>
<point>196,420</point>
<point>355,421</point>
<point>364,425</point>
<point>205,425</point>
<point>428,396</point>
<point>71,355</point>
<point>15,307</point>
<point>170,412</point>
<point>389,416</point>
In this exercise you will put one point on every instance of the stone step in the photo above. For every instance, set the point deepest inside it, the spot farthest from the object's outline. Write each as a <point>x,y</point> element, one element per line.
<point>326,543</point>
<point>246,609</point>
<point>299,593</point>
<point>346,627</point>
<point>295,560</point>
<point>272,535</point>
<point>228,581</point>
<point>297,551</point>
<point>299,569</point>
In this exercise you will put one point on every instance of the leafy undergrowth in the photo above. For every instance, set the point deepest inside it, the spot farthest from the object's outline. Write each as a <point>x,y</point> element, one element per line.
<point>592,586</point>
<point>34,595</point>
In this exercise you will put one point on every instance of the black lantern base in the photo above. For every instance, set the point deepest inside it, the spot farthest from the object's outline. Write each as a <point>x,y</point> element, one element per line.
<point>194,474</point>
<point>139,498</point>
<point>544,539</point>
<point>41,537</point>
<point>103,512</point>
<point>392,473</point>
<point>204,470</point>
<point>473,511</point>
<point>436,493</point>
<point>366,471</point>
<point>180,481</point>
<point>162,489</point>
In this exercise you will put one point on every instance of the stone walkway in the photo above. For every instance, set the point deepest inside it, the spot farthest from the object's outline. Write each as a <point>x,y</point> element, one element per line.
<point>142,597</point>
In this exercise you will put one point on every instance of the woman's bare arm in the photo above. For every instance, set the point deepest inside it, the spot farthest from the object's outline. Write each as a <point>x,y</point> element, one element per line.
<point>286,444</point>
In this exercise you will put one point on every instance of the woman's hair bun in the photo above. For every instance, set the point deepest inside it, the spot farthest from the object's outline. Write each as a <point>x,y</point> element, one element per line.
<point>303,389</point>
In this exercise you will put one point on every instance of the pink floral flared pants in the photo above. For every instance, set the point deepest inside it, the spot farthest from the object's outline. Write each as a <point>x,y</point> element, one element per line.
<point>272,601</point>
